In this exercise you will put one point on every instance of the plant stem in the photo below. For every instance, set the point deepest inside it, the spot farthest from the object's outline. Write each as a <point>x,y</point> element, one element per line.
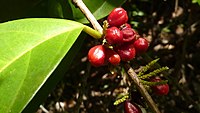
<point>141,88</point>
<point>88,15</point>
<point>92,32</point>
<point>130,71</point>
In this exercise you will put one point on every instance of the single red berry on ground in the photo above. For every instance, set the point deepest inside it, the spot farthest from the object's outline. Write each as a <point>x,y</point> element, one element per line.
<point>131,108</point>
<point>114,35</point>
<point>96,55</point>
<point>160,89</point>
<point>117,17</point>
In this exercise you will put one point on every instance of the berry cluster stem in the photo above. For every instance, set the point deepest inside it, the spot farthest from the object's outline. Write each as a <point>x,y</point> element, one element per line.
<point>130,71</point>
<point>92,32</point>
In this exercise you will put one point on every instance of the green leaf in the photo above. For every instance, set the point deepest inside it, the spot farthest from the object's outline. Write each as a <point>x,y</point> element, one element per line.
<point>56,76</point>
<point>30,51</point>
<point>196,1</point>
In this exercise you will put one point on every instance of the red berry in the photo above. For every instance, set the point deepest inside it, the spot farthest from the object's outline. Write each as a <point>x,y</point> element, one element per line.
<point>124,26</point>
<point>114,35</point>
<point>160,89</point>
<point>113,57</point>
<point>131,108</point>
<point>128,34</point>
<point>117,17</point>
<point>96,55</point>
<point>126,52</point>
<point>141,45</point>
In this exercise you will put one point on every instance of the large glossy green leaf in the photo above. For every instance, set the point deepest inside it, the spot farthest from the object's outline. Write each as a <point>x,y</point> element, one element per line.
<point>56,76</point>
<point>30,51</point>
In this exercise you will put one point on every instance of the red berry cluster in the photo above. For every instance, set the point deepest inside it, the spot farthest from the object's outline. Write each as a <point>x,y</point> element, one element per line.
<point>124,40</point>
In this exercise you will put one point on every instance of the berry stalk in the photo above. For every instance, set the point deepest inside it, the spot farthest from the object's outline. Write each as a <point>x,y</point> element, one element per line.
<point>94,33</point>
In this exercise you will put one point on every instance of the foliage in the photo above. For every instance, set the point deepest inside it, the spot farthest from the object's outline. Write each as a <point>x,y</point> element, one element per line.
<point>30,51</point>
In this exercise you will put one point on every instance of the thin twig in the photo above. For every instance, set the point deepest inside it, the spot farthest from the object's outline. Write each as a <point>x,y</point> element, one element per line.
<point>88,15</point>
<point>176,6</point>
<point>141,88</point>
<point>44,109</point>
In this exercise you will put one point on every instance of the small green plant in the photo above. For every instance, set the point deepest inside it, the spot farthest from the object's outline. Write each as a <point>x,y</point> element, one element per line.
<point>149,80</point>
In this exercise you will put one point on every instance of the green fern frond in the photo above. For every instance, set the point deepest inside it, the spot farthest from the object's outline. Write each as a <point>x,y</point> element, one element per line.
<point>154,83</point>
<point>147,67</point>
<point>154,73</point>
<point>122,99</point>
